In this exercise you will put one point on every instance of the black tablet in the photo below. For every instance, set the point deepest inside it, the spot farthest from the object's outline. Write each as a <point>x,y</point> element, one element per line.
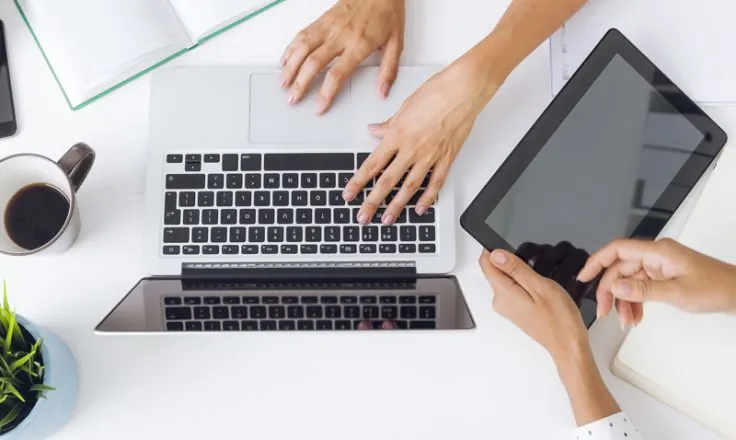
<point>614,155</point>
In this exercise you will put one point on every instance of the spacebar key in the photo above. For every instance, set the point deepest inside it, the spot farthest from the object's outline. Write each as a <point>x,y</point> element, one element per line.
<point>310,162</point>
<point>185,181</point>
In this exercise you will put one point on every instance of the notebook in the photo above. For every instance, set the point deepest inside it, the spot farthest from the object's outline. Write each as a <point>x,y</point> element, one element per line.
<point>689,361</point>
<point>691,41</point>
<point>95,46</point>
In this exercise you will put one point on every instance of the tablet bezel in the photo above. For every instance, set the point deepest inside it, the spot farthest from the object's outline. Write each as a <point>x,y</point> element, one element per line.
<point>473,220</point>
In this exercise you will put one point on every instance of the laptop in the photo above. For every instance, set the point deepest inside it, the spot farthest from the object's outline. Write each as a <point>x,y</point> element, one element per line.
<point>246,228</point>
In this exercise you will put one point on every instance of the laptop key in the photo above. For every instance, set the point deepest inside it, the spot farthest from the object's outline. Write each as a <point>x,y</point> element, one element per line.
<point>308,249</point>
<point>178,313</point>
<point>220,312</point>
<point>289,249</point>
<point>228,217</point>
<point>303,216</point>
<point>305,325</point>
<point>206,198</point>
<point>370,312</point>
<point>290,180</point>
<point>190,250</point>
<point>370,233</point>
<point>237,234</point>
<point>287,325</point>
<point>268,325</point>
<point>426,233</point>
<point>271,180</point>
<point>210,250</point>
<point>323,216</point>
<point>335,198</point>
<point>280,198</point>
<point>174,158</point>
<point>422,325</point>
<point>348,300</point>
<point>310,299</point>
<point>328,300</point>
<point>343,179</point>
<point>276,234</point>
<point>231,300</point>
<point>262,198</point>
<point>215,181</point>
<point>295,312</point>
<point>341,216</point>
<point>427,312</point>
<point>327,180</point>
<point>212,300</point>
<point>230,249</point>
<point>185,181</point>
<point>224,198</point>
<point>289,300</point>
<point>428,216</point>
<point>231,326</point>
<point>313,234</point>
<point>427,299</point>
<point>309,162</point>
<point>299,198</point>
<point>249,326</point>
<point>250,162</point>
<point>332,233</point>
<point>352,312</point>
<point>294,234</point>
<point>229,162</point>
<point>285,216</point>
<point>251,299</point>
<point>247,216</point>
<point>328,249</point>
<point>314,312</point>
<point>389,233</point>
<point>176,235</point>
<point>192,300</point>
<point>243,198</point>
<point>389,312</point>
<point>248,249</point>
<point>387,299</point>
<point>351,233</point>
<point>361,157</point>
<point>318,198</point>
<point>309,180</point>
<point>276,312</point>
<point>253,181</point>
<point>324,325</point>
<point>175,326</point>
<point>368,300</point>
<point>408,312</point>
<point>234,181</point>
<point>333,312</point>
<point>210,217</point>
<point>348,248</point>
<point>212,326</point>
<point>257,312</point>
<point>187,199</point>
<point>172,217</point>
<point>172,301</point>
<point>191,217</point>
<point>266,216</point>
<point>386,248</point>
<point>200,235</point>
<point>367,248</point>
<point>269,249</point>
<point>194,326</point>
<point>343,325</point>
<point>405,248</point>
<point>170,201</point>
<point>408,233</point>
<point>426,248</point>
<point>218,235</point>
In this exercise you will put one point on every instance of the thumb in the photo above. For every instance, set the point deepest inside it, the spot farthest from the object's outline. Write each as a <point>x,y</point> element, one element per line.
<point>643,290</point>
<point>381,129</point>
<point>516,269</point>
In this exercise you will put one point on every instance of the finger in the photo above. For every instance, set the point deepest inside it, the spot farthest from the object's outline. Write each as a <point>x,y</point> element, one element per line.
<point>618,270</point>
<point>437,179</point>
<point>374,164</point>
<point>637,310</point>
<point>379,130</point>
<point>388,325</point>
<point>365,325</point>
<point>411,185</point>
<point>633,290</point>
<point>501,283</point>
<point>336,78</point>
<point>312,66</point>
<point>303,45</point>
<point>389,64</point>
<point>385,184</point>
<point>516,269</point>
<point>625,315</point>
<point>614,251</point>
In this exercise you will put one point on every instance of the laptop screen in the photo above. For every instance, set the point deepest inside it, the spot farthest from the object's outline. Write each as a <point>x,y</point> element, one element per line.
<point>175,305</point>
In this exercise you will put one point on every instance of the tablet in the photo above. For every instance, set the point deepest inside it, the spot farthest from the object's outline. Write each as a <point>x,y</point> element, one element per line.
<point>614,155</point>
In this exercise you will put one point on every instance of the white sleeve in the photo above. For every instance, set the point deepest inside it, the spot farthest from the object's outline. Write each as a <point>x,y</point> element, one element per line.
<point>615,427</point>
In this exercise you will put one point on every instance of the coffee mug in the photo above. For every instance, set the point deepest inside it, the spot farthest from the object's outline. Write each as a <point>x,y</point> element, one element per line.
<point>38,200</point>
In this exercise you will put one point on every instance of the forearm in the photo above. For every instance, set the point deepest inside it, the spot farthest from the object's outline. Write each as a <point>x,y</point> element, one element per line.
<point>524,26</point>
<point>589,396</point>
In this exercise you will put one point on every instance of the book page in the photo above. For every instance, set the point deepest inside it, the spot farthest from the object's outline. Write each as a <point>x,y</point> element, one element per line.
<point>689,360</point>
<point>90,43</point>
<point>692,42</point>
<point>201,18</point>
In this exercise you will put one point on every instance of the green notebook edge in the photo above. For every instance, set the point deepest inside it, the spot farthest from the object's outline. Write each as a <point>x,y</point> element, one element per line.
<point>142,72</point>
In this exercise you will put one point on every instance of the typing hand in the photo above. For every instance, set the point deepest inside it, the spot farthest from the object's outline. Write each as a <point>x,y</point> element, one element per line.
<point>425,134</point>
<point>540,307</point>
<point>349,32</point>
<point>664,270</point>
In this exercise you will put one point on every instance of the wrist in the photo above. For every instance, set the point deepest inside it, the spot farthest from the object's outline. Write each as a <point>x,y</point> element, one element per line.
<point>575,361</point>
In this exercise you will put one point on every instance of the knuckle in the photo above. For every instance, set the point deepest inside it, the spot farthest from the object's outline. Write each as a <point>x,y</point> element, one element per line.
<point>412,186</point>
<point>515,269</point>
<point>313,61</point>
<point>646,288</point>
<point>335,75</point>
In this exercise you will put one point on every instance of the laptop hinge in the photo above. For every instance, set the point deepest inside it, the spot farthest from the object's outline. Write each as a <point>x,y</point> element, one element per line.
<point>300,271</point>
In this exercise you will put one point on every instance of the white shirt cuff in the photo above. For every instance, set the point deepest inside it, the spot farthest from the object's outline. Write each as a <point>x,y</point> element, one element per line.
<point>615,427</point>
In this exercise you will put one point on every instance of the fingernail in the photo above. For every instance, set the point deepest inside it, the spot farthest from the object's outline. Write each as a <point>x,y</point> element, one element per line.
<point>384,90</point>
<point>623,326</point>
<point>282,82</point>
<point>282,63</point>
<point>291,98</point>
<point>348,196</point>
<point>598,314</point>
<point>421,210</point>
<point>499,257</point>
<point>321,104</point>
<point>387,219</point>
<point>622,289</point>
<point>362,218</point>
<point>372,127</point>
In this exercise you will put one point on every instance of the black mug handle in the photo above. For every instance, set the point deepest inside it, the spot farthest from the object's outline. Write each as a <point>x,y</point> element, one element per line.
<point>77,162</point>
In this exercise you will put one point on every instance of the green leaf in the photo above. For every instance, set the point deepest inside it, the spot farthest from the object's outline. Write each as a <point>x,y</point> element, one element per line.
<point>14,391</point>
<point>15,365</point>
<point>10,416</point>
<point>4,367</point>
<point>5,380</point>
<point>42,387</point>
<point>3,398</point>
<point>11,329</point>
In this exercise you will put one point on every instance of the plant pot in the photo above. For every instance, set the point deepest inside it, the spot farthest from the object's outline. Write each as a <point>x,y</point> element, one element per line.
<point>60,371</point>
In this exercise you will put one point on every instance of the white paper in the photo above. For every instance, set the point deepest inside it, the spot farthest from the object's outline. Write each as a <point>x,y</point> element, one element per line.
<point>93,44</point>
<point>203,17</point>
<point>693,42</point>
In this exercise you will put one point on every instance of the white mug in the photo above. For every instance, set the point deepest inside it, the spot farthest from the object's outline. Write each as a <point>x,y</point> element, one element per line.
<point>21,171</point>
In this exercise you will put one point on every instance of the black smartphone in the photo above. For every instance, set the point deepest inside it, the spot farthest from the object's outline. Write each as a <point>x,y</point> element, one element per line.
<point>8,125</point>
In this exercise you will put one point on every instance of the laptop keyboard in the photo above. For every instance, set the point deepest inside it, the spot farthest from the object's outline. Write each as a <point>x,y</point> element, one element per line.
<point>289,313</point>
<point>282,204</point>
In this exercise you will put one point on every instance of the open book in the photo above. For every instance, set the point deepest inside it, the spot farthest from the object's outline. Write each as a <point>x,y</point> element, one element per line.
<point>692,42</point>
<point>688,361</point>
<point>94,46</point>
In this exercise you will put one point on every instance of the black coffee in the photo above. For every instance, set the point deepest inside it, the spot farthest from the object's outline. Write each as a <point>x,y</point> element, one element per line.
<point>35,214</point>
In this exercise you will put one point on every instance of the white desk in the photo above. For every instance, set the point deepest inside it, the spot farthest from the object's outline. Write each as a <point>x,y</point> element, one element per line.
<point>491,383</point>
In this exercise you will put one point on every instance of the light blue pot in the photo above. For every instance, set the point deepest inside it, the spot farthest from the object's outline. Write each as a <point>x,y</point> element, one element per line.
<point>60,372</point>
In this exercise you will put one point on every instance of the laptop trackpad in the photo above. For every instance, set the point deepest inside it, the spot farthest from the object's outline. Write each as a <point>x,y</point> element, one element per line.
<point>274,121</point>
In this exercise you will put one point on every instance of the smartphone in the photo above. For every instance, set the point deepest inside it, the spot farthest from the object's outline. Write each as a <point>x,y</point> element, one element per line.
<point>8,126</point>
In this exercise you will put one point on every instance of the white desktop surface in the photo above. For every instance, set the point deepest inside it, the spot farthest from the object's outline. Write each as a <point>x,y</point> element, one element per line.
<point>489,383</point>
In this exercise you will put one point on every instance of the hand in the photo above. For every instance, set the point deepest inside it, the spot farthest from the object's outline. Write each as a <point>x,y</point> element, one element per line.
<point>350,31</point>
<point>663,270</point>
<point>426,134</point>
<point>540,307</point>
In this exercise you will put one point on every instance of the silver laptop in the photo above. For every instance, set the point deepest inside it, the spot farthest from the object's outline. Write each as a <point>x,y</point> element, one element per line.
<point>246,228</point>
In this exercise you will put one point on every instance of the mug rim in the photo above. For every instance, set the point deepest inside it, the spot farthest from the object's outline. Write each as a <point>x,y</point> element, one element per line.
<point>70,214</point>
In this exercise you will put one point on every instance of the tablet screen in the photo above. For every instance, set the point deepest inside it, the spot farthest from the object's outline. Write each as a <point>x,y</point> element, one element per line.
<point>611,169</point>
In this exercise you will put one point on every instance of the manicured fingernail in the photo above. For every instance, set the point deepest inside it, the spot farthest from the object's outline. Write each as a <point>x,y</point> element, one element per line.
<point>623,326</point>
<point>362,218</point>
<point>384,90</point>
<point>598,314</point>
<point>372,127</point>
<point>291,98</point>
<point>387,219</point>
<point>622,289</point>
<point>499,257</point>
<point>348,196</point>
<point>321,104</point>
<point>282,82</point>
<point>421,210</point>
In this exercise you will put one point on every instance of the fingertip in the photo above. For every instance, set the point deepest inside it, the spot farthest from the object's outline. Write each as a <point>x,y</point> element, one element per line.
<point>499,257</point>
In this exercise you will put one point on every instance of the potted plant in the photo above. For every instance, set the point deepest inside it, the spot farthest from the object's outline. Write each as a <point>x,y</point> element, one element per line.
<point>38,378</point>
